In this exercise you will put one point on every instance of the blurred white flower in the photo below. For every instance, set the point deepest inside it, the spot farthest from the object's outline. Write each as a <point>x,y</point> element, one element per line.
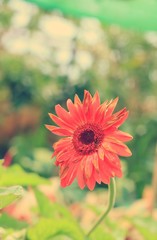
<point>151,37</point>
<point>16,40</point>
<point>84,59</point>
<point>22,7</point>
<point>20,20</point>
<point>91,31</point>
<point>73,73</point>
<point>63,56</point>
<point>57,28</point>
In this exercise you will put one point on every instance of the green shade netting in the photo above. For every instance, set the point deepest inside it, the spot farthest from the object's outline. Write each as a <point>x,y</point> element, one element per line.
<point>136,14</point>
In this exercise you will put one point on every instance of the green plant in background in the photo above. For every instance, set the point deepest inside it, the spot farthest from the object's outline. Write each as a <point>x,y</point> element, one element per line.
<point>40,67</point>
<point>53,220</point>
<point>9,195</point>
<point>129,13</point>
<point>117,62</point>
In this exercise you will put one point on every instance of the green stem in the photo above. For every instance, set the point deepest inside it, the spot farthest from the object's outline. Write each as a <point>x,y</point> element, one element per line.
<point>112,194</point>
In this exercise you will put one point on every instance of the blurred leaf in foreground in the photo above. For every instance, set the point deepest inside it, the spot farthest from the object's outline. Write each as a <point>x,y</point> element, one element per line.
<point>7,221</point>
<point>48,228</point>
<point>9,195</point>
<point>16,175</point>
<point>51,209</point>
<point>101,234</point>
<point>11,234</point>
<point>147,227</point>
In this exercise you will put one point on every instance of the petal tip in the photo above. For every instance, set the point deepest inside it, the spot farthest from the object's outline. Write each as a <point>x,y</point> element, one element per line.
<point>47,126</point>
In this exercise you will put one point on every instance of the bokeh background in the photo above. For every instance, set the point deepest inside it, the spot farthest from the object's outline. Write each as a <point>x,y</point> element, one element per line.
<point>47,57</point>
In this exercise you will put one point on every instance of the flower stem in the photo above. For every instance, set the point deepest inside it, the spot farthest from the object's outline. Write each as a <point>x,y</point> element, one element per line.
<point>112,194</point>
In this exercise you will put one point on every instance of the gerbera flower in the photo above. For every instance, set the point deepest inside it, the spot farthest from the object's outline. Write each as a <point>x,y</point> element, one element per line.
<point>92,142</point>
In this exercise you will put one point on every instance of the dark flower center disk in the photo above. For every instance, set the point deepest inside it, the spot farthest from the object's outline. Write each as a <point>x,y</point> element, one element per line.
<point>87,137</point>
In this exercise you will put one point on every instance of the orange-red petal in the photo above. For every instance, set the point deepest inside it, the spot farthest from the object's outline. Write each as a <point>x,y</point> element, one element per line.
<point>65,116</point>
<point>118,148</point>
<point>111,106</point>
<point>122,136</point>
<point>99,161</point>
<point>59,131</point>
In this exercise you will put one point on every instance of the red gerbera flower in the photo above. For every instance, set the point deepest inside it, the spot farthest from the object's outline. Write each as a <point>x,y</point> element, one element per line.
<point>92,143</point>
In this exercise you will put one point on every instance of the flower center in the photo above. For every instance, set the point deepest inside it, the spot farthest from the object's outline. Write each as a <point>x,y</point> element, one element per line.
<point>87,138</point>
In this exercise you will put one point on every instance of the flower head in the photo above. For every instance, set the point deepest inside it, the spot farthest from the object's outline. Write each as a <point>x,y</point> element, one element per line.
<point>92,142</point>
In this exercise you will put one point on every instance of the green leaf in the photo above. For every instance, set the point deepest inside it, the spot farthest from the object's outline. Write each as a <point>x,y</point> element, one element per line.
<point>9,195</point>
<point>9,222</point>
<point>73,193</point>
<point>147,227</point>
<point>130,14</point>
<point>15,175</point>
<point>101,234</point>
<point>11,234</point>
<point>47,229</point>
<point>119,232</point>
<point>49,209</point>
<point>105,230</point>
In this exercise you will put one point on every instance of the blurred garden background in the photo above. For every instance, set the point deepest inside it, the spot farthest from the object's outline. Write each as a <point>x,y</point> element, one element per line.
<point>46,57</point>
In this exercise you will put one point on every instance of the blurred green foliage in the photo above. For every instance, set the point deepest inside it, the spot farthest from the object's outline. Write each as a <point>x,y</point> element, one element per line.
<point>9,195</point>
<point>52,220</point>
<point>126,13</point>
<point>46,58</point>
